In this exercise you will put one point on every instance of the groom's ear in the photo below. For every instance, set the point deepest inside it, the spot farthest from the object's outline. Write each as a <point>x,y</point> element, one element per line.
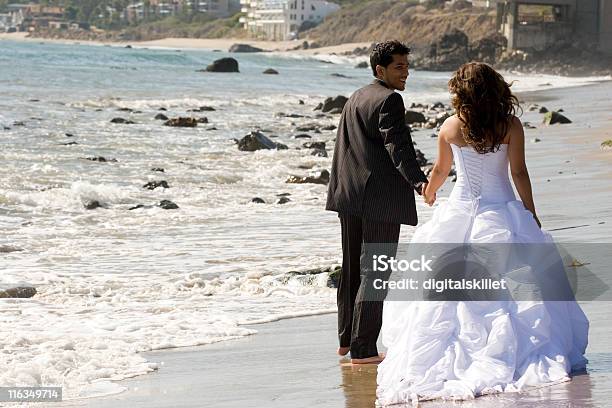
<point>380,71</point>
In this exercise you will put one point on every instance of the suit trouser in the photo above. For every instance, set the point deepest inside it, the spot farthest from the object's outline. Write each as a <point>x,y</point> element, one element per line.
<point>360,320</point>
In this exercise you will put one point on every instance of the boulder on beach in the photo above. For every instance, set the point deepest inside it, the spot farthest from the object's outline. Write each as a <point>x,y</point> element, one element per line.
<point>362,64</point>
<point>414,117</point>
<point>244,48</point>
<point>270,71</point>
<point>18,291</point>
<point>314,145</point>
<point>182,122</point>
<point>283,200</point>
<point>93,204</point>
<point>258,200</point>
<point>258,141</point>
<point>319,152</point>
<point>321,178</point>
<point>161,116</point>
<point>551,118</point>
<point>227,64</point>
<point>330,104</point>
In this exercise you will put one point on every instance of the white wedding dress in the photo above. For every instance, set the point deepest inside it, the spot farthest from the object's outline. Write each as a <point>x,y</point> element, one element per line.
<point>460,350</point>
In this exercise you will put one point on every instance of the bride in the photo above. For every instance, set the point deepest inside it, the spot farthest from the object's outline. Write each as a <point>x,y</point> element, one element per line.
<point>463,349</point>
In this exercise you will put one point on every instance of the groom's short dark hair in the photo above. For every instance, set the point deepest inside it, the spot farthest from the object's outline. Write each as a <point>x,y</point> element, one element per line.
<point>382,53</point>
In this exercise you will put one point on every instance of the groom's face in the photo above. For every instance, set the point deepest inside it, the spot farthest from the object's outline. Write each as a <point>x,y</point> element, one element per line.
<point>396,73</point>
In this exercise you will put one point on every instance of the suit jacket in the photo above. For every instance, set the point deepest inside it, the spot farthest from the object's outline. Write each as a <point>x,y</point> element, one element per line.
<point>374,169</point>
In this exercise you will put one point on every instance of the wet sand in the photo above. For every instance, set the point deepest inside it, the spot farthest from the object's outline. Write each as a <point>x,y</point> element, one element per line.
<point>293,362</point>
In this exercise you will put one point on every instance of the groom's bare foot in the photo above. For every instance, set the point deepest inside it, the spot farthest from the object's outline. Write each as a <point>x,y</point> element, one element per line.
<point>343,351</point>
<point>369,360</point>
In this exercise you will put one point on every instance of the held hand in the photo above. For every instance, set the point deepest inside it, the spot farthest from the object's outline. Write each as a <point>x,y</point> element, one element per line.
<point>428,196</point>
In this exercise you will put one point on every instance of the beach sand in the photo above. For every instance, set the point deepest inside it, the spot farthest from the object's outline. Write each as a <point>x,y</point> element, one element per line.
<point>222,44</point>
<point>293,362</point>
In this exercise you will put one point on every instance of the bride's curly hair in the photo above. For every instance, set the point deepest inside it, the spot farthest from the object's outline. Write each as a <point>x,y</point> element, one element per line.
<point>484,103</point>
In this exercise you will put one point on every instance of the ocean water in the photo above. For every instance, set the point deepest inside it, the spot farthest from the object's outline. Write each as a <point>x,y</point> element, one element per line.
<point>113,282</point>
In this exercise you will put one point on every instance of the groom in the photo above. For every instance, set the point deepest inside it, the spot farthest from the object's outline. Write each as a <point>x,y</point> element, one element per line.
<point>374,173</point>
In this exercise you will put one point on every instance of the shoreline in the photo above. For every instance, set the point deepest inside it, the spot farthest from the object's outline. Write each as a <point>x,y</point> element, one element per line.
<point>195,43</point>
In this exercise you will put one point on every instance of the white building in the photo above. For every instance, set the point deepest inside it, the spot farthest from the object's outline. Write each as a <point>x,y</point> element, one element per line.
<point>282,19</point>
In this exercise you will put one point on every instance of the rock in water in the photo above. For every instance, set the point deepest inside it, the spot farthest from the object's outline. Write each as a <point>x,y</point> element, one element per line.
<point>17,292</point>
<point>271,71</point>
<point>161,116</point>
<point>283,200</point>
<point>223,65</point>
<point>322,178</point>
<point>182,122</point>
<point>415,117</point>
<point>168,205</point>
<point>92,205</point>
<point>122,120</point>
<point>258,200</point>
<point>332,103</point>
<point>152,185</point>
<point>551,118</point>
<point>244,48</point>
<point>257,141</point>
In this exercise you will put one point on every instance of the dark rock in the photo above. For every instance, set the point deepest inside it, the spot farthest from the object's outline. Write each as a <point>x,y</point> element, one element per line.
<point>300,102</point>
<point>211,128</point>
<point>5,249</point>
<point>415,117</point>
<point>283,194</point>
<point>258,200</point>
<point>307,127</point>
<point>162,109</point>
<point>161,116</point>
<point>363,64</point>
<point>68,144</point>
<point>128,46</point>
<point>283,200</point>
<point>319,153</point>
<point>543,110</point>
<point>330,104</point>
<point>289,115</point>
<point>18,123</point>
<point>314,145</point>
<point>437,105</point>
<point>335,74</point>
<point>136,207</point>
<point>159,169</point>
<point>329,127</point>
<point>122,121</point>
<point>92,205</point>
<point>322,178</point>
<point>223,65</point>
<point>202,109</point>
<point>203,120</point>
<point>69,135</point>
<point>257,141</point>
<point>244,48</point>
<point>101,159</point>
<point>168,205</point>
<point>302,136</point>
<point>271,71</point>
<point>18,292</point>
<point>551,118</point>
<point>152,185</point>
<point>124,109</point>
<point>181,122</point>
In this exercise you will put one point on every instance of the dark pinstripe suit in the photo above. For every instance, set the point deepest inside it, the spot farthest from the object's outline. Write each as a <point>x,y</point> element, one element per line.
<point>373,178</point>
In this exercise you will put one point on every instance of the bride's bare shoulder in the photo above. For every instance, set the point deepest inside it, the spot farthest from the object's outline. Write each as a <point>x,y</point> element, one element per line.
<point>450,130</point>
